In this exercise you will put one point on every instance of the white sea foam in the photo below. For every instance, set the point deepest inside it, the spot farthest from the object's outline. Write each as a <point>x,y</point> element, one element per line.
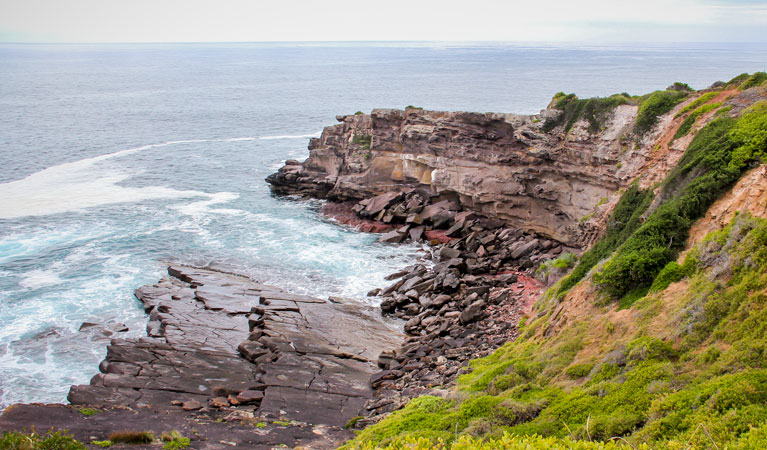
<point>290,136</point>
<point>39,278</point>
<point>79,185</point>
<point>203,207</point>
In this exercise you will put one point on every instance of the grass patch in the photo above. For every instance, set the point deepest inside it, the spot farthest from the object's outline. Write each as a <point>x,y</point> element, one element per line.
<point>88,411</point>
<point>705,98</point>
<point>174,441</point>
<point>505,441</point>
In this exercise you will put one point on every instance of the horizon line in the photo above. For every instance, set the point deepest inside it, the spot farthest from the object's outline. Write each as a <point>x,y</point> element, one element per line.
<point>392,41</point>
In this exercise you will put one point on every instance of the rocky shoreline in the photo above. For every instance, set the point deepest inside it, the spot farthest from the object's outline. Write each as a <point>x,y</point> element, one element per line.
<point>228,362</point>
<point>465,304</point>
<point>231,362</point>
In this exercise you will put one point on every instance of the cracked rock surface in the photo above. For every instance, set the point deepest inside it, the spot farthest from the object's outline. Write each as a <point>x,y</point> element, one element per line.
<point>223,351</point>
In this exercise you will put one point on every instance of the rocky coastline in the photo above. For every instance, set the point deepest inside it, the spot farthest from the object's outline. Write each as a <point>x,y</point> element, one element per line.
<point>227,362</point>
<point>462,304</point>
<point>231,362</point>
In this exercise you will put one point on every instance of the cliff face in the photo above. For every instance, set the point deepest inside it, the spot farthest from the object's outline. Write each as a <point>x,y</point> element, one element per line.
<point>559,183</point>
<point>500,165</point>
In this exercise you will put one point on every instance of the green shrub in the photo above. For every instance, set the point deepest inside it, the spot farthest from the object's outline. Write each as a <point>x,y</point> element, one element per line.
<point>594,110</point>
<point>505,441</point>
<point>579,370</point>
<point>738,79</point>
<point>421,417</point>
<point>625,219</point>
<point>690,120</point>
<point>705,98</point>
<point>715,159</point>
<point>655,105</point>
<point>363,140</point>
<point>756,79</point>
<point>174,441</point>
<point>649,348</point>
<point>671,273</point>
<point>563,262</point>
<point>59,440</point>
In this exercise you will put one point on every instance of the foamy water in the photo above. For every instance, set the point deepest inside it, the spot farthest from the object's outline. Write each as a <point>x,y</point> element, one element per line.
<point>118,159</point>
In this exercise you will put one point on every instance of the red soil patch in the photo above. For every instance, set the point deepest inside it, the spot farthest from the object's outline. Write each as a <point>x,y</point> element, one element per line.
<point>437,235</point>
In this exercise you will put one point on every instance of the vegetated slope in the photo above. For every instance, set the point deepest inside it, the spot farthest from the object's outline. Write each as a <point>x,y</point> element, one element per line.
<point>634,346</point>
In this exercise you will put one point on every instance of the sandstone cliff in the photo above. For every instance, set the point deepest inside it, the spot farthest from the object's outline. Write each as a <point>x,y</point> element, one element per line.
<point>501,165</point>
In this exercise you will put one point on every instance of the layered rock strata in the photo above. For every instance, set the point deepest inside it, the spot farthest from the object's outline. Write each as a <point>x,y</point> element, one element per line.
<point>498,165</point>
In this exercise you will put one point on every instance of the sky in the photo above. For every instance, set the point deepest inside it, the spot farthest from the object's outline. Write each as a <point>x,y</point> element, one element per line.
<point>598,21</point>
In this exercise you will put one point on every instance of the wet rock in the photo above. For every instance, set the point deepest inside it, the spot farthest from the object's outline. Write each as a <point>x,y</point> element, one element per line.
<point>416,233</point>
<point>446,253</point>
<point>392,237</point>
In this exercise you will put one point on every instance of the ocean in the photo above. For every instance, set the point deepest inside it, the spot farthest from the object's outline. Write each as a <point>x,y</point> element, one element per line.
<point>117,159</point>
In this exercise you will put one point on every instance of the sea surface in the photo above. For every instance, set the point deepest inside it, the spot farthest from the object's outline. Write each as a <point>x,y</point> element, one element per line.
<point>115,159</point>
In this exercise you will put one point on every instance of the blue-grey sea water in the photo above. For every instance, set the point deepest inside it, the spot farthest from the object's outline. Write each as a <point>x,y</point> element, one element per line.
<point>118,158</point>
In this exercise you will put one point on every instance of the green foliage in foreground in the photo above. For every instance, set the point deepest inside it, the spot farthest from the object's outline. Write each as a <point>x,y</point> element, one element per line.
<point>33,441</point>
<point>720,153</point>
<point>594,110</point>
<point>654,105</point>
<point>706,388</point>
<point>504,442</point>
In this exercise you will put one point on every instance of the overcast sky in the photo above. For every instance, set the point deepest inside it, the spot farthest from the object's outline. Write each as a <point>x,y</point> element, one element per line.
<point>600,21</point>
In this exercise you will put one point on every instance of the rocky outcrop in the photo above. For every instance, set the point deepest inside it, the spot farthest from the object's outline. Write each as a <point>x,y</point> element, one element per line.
<point>499,165</point>
<point>223,341</point>
<point>223,348</point>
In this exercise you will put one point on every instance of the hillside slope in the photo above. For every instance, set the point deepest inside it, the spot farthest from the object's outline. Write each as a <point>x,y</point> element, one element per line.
<point>657,338</point>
